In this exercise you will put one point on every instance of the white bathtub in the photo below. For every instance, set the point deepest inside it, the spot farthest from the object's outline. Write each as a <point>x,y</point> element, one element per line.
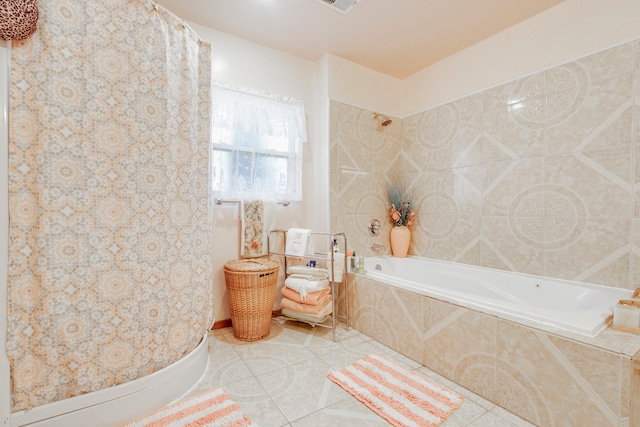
<point>572,306</point>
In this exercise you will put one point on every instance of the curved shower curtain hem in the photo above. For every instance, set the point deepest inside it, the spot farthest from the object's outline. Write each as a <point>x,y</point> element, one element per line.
<point>124,402</point>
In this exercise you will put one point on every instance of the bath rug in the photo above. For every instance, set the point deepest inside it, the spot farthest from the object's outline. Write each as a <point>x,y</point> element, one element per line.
<point>212,408</point>
<point>401,397</point>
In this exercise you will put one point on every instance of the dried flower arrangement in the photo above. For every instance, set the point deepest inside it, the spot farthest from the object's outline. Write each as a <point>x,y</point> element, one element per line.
<point>401,210</point>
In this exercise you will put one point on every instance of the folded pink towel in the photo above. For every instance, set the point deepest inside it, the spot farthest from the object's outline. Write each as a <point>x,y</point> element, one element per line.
<point>306,308</point>
<point>312,297</point>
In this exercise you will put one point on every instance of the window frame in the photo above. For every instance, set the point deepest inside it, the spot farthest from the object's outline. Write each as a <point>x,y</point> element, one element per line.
<point>286,124</point>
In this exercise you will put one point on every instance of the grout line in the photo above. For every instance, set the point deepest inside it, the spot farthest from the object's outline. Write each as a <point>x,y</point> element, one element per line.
<point>583,384</point>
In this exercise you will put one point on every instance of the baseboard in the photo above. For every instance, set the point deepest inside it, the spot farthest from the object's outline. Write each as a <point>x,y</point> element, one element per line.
<point>221,324</point>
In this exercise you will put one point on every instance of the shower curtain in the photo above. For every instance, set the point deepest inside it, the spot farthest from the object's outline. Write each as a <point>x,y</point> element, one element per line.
<point>109,253</point>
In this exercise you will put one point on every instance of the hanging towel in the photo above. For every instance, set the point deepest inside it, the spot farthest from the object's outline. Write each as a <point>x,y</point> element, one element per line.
<point>299,242</point>
<point>312,297</point>
<point>304,286</point>
<point>256,217</point>
<point>306,308</point>
<point>338,263</point>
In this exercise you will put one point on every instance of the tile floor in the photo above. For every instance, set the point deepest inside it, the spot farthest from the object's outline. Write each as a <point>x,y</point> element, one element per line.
<point>282,380</point>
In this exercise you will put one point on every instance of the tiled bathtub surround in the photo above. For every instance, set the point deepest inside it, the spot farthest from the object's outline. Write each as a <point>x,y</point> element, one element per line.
<point>537,176</point>
<point>547,378</point>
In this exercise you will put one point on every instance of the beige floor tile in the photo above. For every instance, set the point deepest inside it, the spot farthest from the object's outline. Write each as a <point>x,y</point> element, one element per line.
<point>302,388</point>
<point>282,380</point>
<point>498,417</point>
<point>347,412</point>
<point>319,340</point>
<point>221,372</point>
<point>343,357</point>
<point>269,356</point>
<point>256,402</point>
<point>394,355</point>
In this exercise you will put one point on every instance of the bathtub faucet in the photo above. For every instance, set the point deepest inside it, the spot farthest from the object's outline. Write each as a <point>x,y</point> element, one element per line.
<point>376,247</point>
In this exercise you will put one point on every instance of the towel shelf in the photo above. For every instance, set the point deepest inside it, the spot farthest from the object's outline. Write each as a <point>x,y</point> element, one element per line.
<point>341,238</point>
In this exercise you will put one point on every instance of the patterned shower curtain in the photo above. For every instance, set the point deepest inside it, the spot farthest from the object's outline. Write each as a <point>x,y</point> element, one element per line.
<point>109,255</point>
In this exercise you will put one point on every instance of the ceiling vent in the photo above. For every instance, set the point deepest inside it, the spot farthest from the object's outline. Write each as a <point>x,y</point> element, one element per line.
<point>343,6</point>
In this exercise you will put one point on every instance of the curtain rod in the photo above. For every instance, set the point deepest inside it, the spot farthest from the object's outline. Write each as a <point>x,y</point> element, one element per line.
<point>219,201</point>
<point>181,21</point>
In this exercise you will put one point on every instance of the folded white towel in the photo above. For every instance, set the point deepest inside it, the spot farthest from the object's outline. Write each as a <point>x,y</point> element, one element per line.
<point>299,242</point>
<point>316,273</point>
<point>309,277</point>
<point>304,286</point>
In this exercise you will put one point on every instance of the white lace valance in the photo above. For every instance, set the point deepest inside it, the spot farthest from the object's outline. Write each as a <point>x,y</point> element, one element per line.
<point>257,144</point>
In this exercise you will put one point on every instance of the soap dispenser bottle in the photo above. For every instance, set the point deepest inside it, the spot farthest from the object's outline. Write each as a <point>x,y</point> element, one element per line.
<point>353,262</point>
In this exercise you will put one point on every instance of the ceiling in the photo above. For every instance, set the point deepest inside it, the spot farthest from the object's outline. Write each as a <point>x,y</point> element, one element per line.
<point>395,37</point>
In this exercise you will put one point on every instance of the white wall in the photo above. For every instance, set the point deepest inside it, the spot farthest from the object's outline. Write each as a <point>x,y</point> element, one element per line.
<point>568,31</point>
<point>242,63</point>
<point>362,87</point>
<point>320,198</point>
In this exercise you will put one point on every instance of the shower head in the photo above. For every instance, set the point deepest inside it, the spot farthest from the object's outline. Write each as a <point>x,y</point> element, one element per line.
<point>382,119</point>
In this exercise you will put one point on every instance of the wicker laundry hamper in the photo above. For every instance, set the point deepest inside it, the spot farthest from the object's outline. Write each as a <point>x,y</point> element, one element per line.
<point>251,288</point>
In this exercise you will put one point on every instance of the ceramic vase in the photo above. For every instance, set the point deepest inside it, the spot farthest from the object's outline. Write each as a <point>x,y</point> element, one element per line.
<point>400,237</point>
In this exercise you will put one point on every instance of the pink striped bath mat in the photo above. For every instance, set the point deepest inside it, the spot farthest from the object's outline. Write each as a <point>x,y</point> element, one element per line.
<point>401,397</point>
<point>212,408</point>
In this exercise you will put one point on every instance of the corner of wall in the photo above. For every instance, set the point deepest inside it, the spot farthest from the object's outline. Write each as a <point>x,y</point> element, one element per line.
<point>353,84</point>
<point>5,379</point>
<point>319,208</point>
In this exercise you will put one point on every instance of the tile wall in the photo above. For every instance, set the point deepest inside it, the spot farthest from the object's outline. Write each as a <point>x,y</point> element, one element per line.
<point>539,175</point>
<point>547,378</point>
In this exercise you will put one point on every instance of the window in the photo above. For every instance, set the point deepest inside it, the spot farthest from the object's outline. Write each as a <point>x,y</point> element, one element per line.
<point>256,145</point>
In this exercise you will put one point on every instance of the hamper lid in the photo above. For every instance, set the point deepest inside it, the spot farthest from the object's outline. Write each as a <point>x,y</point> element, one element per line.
<point>248,265</point>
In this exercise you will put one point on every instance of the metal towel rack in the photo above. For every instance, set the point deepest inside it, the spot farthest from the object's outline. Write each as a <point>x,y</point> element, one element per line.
<point>219,201</point>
